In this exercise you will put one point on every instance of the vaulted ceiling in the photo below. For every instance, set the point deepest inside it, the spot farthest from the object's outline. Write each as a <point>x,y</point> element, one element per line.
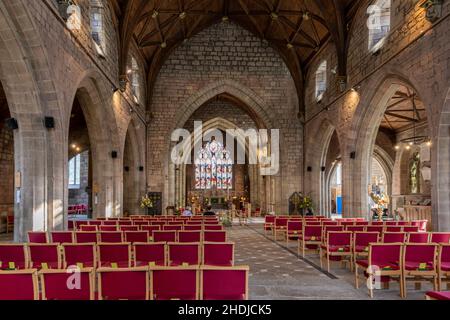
<point>297,29</point>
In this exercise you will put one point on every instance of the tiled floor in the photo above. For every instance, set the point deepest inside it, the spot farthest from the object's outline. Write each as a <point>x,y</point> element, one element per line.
<point>276,272</point>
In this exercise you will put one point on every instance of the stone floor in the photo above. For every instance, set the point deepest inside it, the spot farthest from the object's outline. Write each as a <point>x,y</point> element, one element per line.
<point>276,272</point>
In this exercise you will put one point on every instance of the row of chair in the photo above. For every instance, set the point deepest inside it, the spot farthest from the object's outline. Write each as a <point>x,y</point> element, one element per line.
<point>143,283</point>
<point>76,225</point>
<point>403,262</point>
<point>128,236</point>
<point>56,256</point>
<point>286,225</point>
<point>151,227</point>
<point>296,229</point>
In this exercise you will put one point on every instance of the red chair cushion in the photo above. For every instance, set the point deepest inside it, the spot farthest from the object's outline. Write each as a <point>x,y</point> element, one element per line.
<point>443,295</point>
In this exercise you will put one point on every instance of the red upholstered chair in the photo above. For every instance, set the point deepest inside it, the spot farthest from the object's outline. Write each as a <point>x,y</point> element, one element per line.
<point>410,229</point>
<point>280,227</point>
<point>311,238</point>
<point>438,295</point>
<point>102,218</point>
<point>79,223</point>
<point>327,229</point>
<point>418,237</point>
<point>62,237</point>
<point>377,223</point>
<point>215,236</point>
<point>189,236</point>
<point>224,283</point>
<point>193,227</point>
<point>123,223</point>
<point>136,236</point>
<point>330,223</point>
<point>85,237</point>
<point>169,227</point>
<point>44,256</point>
<point>164,236</point>
<point>83,255</point>
<point>95,222</point>
<point>361,223</point>
<point>312,222</point>
<point>444,265</point>
<point>88,228</point>
<point>71,225</point>
<point>54,284</point>
<point>294,230</point>
<point>419,263</point>
<point>107,228</point>
<point>403,223</point>
<point>13,256</point>
<point>158,223</point>
<point>183,254</point>
<point>123,284</point>
<point>174,283</point>
<point>440,237</point>
<point>393,237</point>
<point>37,237</point>
<point>211,227</point>
<point>361,241</point>
<point>150,229</point>
<point>175,222</point>
<point>384,264</point>
<point>129,228</point>
<point>111,236</point>
<point>19,285</point>
<point>374,228</point>
<point>141,223</point>
<point>347,223</point>
<point>393,229</point>
<point>355,228</point>
<point>146,254</point>
<point>114,255</point>
<point>110,222</point>
<point>218,254</point>
<point>338,247</point>
<point>390,223</point>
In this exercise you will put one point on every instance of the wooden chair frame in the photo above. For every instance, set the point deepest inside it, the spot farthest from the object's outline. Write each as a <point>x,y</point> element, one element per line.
<point>417,275</point>
<point>238,268</point>
<point>130,257</point>
<point>199,250</point>
<point>30,245</point>
<point>343,254</point>
<point>34,276</point>
<point>91,272</point>
<point>94,254</point>
<point>391,273</point>
<point>217,243</point>
<point>166,259</point>
<point>25,252</point>
<point>443,276</point>
<point>140,269</point>
<point>193,268</point>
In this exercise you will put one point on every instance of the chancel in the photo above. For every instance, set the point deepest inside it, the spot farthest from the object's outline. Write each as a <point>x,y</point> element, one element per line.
<point>224,150</point>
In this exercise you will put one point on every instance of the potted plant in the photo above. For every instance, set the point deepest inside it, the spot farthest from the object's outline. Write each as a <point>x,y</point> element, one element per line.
<point>146,203</point>
<point>307,205</point>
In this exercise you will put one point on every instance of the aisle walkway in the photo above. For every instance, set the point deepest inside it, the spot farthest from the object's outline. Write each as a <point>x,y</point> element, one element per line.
<point>277,273</point>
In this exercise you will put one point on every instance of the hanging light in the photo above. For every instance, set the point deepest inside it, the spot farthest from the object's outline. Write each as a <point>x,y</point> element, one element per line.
<point>415,140</point>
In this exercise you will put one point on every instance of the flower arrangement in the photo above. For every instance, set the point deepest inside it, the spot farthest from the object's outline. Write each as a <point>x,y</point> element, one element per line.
<point>306,203</point>
<point>146,202</point>
<point>381,200</point>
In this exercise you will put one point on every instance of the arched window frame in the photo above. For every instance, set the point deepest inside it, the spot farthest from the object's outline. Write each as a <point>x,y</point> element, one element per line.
<point>75,172</point>
<point>379,24</point>
<point>97,21</point>
<point>321,81</point>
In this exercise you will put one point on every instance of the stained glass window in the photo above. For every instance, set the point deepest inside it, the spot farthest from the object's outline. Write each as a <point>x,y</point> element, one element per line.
<point>213,167</point>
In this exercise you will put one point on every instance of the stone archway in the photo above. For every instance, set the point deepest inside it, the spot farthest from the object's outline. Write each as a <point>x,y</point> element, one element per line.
<point>19,81</point>
<point>103,136</point>
<point>441,187</point>
<point>366,124</point>
<point>133,176</point>
<point>254,105</point>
